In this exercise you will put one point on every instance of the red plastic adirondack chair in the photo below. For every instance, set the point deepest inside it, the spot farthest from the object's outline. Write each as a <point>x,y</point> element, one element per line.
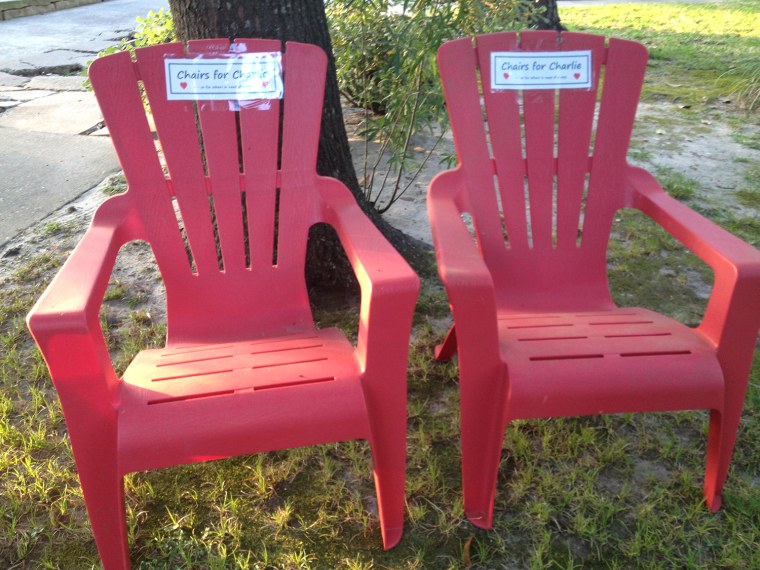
<point>537,332</point>
<point>244,369</point>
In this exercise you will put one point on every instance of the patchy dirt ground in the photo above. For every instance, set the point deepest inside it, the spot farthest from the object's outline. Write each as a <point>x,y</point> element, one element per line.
<point>698,146</point>
<point>703,148</point>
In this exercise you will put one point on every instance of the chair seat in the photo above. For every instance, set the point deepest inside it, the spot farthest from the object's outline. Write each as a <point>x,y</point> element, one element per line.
<point>616,361</point>
<point>271,394</point>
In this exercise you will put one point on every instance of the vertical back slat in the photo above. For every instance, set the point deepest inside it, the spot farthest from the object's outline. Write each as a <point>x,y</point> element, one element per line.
<point>260,131</point>
<point>576,119</point>
<point>503,113</point>
<point>305,75</point>
<point>304,87</point>
<point>219,127</point>
<point>539,144</point>
<point>116,87</point>
<point>624,75</point>
<point>178,133</point>
<point>457,65</point>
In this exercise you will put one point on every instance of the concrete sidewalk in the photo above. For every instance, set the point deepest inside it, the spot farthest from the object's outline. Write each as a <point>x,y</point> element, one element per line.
<point>19,8</point>
<point>52,144</point>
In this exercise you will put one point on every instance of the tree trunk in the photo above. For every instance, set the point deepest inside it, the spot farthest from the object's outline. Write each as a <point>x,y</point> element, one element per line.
<point>303,21</point>
<point>548,19</point>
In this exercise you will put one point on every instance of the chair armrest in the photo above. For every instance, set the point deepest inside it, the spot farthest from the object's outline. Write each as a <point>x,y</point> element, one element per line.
<point>65,321</point>
<point>460,263</point>
<point>732,317</point>
<point>463,271</point>
<point>389,287</point>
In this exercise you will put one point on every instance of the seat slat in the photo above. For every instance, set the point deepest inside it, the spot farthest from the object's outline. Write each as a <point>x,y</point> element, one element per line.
<point>578,363</point>
<point>614,333</point>
<point>264,399</point>
<point>164,374</point>
<point>584,386</point>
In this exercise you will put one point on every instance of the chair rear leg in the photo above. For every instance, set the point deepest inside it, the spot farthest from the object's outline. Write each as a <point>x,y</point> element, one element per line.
<point>448,347</point>
<point>720,447</point>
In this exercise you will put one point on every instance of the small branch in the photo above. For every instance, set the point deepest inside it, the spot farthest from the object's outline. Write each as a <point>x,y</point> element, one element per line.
<point>404,151</point>
<point>380,154</point>
<point>422,165</point>
<point>348,97</point>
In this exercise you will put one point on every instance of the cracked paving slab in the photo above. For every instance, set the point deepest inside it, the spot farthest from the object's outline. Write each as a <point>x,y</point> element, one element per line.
<point>68,37</point>
<point>68,112</point>
<point>8,80</point>
<point>57,82</point>
<point>53,178</point>
<point>21,95</point>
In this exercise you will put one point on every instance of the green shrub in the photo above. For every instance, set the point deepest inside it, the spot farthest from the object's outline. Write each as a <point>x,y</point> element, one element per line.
<point>155,28</point>
<point>385,57</point>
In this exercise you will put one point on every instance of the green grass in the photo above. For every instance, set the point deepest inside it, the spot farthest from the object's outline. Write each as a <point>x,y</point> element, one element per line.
<point>698,52</point>
<point>116,185</point>
<point>676,184</point>
<point>595,492</point>
<point>751,140</point>
<point>648,268</point>
<point>750,194</point>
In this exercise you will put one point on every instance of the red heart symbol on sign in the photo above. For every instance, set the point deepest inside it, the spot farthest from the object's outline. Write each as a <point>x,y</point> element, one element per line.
<point>265,84</point>
<point>506,76</point>
<point>577,75</point>
<point>183,84</point>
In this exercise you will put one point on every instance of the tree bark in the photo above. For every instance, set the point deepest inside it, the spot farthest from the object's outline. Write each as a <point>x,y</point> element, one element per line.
<point>302,21</point>
<point>549,17</point>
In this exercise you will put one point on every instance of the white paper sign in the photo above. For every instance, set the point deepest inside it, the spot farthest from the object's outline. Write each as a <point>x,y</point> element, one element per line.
<point>541,70</point>
<point>238,77</point>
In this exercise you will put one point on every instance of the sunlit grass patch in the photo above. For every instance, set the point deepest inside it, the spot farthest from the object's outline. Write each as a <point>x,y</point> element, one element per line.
<point>619,491</point>
<point>697,51</point>
<point>616,491</point>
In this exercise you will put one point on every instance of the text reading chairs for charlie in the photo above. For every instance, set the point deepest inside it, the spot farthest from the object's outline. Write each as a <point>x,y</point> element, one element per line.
<point>537,332</point>
<point>244,368</point>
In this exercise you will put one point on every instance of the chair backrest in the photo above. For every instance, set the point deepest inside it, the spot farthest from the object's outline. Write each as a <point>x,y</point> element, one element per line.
<point>228,218</point>
<point>542,202</point>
